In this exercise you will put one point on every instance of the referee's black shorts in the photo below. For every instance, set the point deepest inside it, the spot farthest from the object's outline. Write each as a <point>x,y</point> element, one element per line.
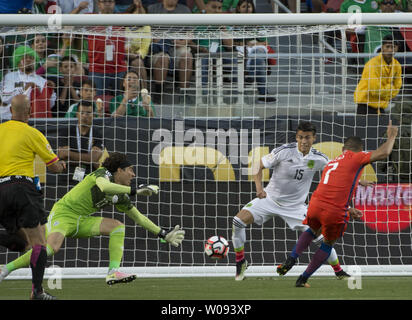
<point>21,204</point>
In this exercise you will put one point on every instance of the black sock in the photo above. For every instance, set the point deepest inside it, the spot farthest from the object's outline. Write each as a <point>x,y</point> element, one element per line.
<point>38,264</point>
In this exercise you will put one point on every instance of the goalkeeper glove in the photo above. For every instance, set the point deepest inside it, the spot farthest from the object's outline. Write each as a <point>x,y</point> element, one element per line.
<point>174,236</point>
<point>147,190</point>
<point>144,190</point>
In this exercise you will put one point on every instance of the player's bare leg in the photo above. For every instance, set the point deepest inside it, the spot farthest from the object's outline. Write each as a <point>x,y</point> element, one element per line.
<point>55,241</point>
<point>240,221</point>
<point>115,230</point>
<point>24,236</point>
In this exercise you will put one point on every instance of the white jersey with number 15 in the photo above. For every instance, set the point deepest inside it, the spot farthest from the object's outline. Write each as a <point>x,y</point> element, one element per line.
<point>292,173</point>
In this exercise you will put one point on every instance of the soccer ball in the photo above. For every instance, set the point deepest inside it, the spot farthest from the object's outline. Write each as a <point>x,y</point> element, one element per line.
<point>216,247</point>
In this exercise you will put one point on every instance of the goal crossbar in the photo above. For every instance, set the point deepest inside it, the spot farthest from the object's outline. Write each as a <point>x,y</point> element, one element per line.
<point>208,19</point>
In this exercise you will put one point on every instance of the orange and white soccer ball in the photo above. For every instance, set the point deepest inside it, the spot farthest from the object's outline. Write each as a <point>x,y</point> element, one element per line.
<point>216,247</point>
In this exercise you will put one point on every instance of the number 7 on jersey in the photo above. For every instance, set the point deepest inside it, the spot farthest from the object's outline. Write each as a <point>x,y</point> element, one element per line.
<point>327,174</point>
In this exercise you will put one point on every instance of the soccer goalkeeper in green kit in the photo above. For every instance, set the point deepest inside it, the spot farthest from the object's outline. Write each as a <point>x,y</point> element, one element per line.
<point>71,216</point>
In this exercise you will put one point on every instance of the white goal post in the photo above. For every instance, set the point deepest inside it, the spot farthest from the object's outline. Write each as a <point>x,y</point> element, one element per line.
<point>313,82</point>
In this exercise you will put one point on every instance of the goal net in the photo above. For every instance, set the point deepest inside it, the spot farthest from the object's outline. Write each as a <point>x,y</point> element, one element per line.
<point>218,98</point>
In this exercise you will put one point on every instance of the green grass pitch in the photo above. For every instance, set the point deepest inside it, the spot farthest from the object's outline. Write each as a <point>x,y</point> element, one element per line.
<point>252,288</point>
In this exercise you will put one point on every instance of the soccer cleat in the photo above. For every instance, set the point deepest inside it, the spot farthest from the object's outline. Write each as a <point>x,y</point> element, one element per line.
<point>301,282</point>
<point>285,267</point>
<point>119,277</point>
<point>241,267</point>
<point>41,296</point>
<point>342,275</point>
<point>3,272</point>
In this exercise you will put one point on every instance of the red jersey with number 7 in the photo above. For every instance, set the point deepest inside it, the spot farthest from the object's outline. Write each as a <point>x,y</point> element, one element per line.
<point>340,178</point>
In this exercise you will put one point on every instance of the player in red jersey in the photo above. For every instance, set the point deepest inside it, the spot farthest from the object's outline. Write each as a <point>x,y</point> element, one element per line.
<point>329,210</point>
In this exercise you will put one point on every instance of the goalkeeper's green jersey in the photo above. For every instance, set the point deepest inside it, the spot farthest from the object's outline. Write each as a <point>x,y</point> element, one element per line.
<point>86,197</point>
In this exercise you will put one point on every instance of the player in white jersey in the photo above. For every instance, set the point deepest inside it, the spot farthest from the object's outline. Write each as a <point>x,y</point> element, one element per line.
<point>294,166</point>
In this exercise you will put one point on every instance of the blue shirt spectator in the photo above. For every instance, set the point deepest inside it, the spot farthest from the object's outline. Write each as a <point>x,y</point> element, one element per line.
<point>7,6</point>
<point>122,5</point>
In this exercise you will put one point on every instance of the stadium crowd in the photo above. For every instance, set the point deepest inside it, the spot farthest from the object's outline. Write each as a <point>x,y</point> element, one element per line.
<point>58,70</point>
<point>55,69</point>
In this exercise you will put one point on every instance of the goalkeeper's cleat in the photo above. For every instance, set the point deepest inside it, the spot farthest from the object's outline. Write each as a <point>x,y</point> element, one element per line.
<point>41,296</point>
<point>119,277</point>
<point>285,267</point>
<point>301,282</point>
<point>3,272</point>
<point>147,190</point>
<point>241,267</point>
<point>341,275</point>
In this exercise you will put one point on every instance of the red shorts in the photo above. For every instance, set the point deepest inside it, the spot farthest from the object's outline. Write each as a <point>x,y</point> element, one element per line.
<point>332,221</point>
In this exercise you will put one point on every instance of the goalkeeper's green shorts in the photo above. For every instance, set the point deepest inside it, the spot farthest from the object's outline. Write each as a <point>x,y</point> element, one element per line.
<point>72,225</point>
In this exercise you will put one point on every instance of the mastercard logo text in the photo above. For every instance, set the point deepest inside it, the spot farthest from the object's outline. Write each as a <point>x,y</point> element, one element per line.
<point>386,208</point>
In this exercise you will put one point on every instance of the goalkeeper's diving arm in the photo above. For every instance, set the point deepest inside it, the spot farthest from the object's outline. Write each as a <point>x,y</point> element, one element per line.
<point>113,188</point>
<point>174,236</point>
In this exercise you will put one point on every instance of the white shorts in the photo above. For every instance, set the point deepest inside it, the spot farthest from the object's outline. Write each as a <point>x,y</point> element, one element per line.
<point>264,209</point>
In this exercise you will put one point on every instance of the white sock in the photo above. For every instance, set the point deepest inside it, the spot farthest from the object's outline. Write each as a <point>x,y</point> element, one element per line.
<point>332,257</point>
<point>238,233</point>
